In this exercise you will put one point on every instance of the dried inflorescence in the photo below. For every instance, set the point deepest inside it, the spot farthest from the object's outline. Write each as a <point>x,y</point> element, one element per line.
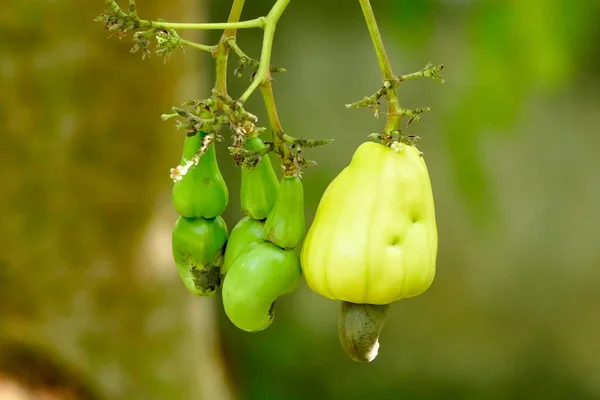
<point>210,115</point>
<point>387,90</point>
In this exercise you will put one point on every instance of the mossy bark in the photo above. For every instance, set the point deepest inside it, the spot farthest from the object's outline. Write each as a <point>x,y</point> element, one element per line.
<point>84,158</point>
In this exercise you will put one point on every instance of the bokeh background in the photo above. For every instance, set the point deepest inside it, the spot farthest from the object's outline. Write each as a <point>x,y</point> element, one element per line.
<point>512,147</point>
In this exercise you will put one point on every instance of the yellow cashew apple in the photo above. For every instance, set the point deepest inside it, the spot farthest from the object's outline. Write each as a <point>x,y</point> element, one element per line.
<point>374,236</point>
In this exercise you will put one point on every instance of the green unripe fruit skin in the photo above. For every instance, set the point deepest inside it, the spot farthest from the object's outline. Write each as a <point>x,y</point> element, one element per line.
<point>258,191</point>
<point>246,232</point>
<point>255,280</point>
<point>285,224</point>
<point>198,253</point>
<point>202,192</point>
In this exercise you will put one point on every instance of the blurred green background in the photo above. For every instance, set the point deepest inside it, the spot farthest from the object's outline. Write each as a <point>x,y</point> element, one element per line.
<point>511,142</point>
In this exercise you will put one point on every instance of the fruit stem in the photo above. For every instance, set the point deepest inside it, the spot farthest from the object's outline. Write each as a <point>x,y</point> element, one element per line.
<point>279,146</point>
<point>394,115</point>
<point>384,63</point>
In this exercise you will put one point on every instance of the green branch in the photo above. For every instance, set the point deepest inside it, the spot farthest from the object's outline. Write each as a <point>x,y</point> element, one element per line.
<point>133,22</point>
<point>287,148</point>
<point>271,21</point>
<point>197,46</point>
<point>394,115</point>
<point>245,60</point>
<point>382,58</point>
<point>232,43</point>
<point>253,23</point>
<point>132,9</point>
<point>222,51</point>
<point>430,71</point>
<point>391,132</point>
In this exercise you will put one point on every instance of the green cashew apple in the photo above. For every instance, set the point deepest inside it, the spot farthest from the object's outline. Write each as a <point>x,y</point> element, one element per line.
<point>255,281</point>
<point>374,237</point>
<point>258,191</point>
<point>285,224</point>
<point>246,232</point>
<point>202,192</point>
<point>197,245</point>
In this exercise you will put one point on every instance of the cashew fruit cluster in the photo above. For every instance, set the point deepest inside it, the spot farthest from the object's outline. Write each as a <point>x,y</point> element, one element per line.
<point>200,233</point>
<point>261,262</point>
<point>373,241</point>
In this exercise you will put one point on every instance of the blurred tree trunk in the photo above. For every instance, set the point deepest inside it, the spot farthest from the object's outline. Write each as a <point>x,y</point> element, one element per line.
<point>84,158</point>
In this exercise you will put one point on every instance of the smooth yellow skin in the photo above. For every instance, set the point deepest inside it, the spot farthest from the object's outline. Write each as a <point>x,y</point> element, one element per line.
<point>374,236</point>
